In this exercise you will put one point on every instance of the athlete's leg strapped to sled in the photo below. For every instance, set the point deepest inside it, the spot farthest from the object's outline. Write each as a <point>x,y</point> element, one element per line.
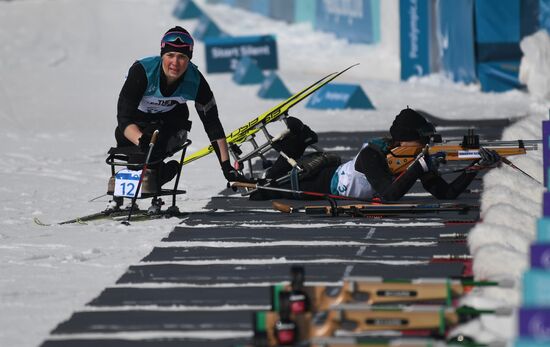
<point>313,171</point>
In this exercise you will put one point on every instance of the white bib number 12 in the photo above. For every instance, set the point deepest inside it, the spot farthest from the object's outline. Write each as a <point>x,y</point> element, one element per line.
<point>126,182</point>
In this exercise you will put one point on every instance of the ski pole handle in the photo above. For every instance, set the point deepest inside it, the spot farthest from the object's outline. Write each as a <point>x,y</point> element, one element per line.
<point>243,185</point>
<point>154,138</point>
<point>290,161</point>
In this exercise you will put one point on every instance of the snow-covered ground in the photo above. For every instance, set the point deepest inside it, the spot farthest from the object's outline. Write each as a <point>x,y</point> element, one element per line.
<point>62,63</point>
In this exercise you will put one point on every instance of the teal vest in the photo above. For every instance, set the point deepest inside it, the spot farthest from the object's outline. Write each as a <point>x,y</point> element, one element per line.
<point>153,101</point>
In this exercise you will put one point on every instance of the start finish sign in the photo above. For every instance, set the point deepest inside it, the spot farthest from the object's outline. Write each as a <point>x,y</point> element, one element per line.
<point>224,53</point>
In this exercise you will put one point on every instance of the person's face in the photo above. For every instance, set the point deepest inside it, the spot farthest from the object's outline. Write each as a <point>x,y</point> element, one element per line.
<point>174,65</point>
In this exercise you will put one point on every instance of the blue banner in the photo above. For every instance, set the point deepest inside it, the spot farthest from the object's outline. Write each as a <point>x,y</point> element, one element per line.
<point>499,76</point>
<point>540,256</point>
<point>186,9</point>
<point>224,53</point>
<point>350,19</point>
<point>207,28</point>
<point>456,39</point>
<point>415,35</point>
<point>543,223</point>
<point>535,287</point>
<point>282,10</point>
<point>544,14</point>
<point>546,152</point>
<point>490,16</point>
<point>340,96</point>
<point>497,45</point>
<point>304,11</point>
<point>534,322</point>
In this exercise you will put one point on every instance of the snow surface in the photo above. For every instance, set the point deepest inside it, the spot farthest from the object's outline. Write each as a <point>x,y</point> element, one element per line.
<point>62,63</point>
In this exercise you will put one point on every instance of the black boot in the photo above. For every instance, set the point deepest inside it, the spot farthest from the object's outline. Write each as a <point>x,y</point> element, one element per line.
<point>168,171</point>
<point>302,131</point>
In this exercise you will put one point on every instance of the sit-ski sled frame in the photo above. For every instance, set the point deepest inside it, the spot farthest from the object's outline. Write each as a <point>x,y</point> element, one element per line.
<point>119,156</point>
<point>259,151</point>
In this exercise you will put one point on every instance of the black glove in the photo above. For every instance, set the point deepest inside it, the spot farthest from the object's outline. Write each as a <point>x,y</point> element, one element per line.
<point>144,141</point>
<point>430,163</point>
<point>232,175</point>
<point>489,158</point>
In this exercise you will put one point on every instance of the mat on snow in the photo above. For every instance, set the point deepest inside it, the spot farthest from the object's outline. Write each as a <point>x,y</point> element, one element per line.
<point>184,296</point>
<point>260,219</point>
<point>151,320</point>
<point>336,233</point>
<point>166,342</point>
<point>275,273</point>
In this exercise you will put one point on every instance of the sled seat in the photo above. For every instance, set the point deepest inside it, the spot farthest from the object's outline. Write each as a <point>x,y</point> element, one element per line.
<point>122,156</point>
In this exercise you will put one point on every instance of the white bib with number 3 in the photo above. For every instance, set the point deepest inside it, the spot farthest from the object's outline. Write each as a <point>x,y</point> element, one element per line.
<point>126,182</point>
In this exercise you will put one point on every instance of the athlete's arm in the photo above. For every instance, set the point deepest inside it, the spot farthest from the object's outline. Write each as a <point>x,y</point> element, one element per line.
<point>372,162</point>
<point>128,100</point>
<point>440,189</point>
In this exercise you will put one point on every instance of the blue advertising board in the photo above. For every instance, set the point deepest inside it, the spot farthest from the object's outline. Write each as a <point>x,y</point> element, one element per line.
<point>544,14</point>
<point>273,88</point>
<point>224,53</point>
<point>534,322</point>
<point>304,11</point>
<point>543,223</point>
<point>350,19</point>
<point>414,28</point>
<point>340,96</point>
<point>535,287</point>
<point>497,45</point>
<point>282,10</point>
<point>456,39</point>
<point>540,256</point>
<point>207,29</point>
<point>546,152</point>
<point>248,72</point>
<point>186,9</point>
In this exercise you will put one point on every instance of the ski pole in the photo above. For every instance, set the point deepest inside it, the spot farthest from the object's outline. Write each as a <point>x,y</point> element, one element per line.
<point>134,198</point>
<point>510,164</point>
<point>300,192</point>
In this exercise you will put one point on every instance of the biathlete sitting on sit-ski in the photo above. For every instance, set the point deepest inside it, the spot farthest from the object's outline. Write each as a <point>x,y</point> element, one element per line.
<point>368,175</point>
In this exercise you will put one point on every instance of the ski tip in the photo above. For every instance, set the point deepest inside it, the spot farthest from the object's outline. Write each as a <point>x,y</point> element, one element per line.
<point>39,222</point>
<point>279,206</point>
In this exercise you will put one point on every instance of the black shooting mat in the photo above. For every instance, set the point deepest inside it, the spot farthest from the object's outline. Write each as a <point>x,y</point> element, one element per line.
<point>254,280</point>
<point>147,342</point>
<point>155,320</point>
<point>267,217</point>
<point>173,293</point>
<point>303,253</point>
<point>216,274</point>
<point>341,233</point>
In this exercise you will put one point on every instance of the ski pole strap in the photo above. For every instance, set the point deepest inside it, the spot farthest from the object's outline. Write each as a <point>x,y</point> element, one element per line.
<point>294,182</point>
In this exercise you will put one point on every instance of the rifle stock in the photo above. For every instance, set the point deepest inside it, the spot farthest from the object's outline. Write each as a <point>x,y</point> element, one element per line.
<point>432,320</point>
<point>356,319</point>
<point>374,291</point>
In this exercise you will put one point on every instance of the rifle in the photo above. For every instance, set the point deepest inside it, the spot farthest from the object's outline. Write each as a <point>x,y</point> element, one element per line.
<point>360,318</point>
<point>405,341</point>
<point>401,157</point>
<point>417,320</point>
<point>375,209</point>
<point>374,291</point>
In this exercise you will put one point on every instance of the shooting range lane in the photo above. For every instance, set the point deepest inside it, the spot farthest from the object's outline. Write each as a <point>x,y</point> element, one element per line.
<point>201,285</point>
